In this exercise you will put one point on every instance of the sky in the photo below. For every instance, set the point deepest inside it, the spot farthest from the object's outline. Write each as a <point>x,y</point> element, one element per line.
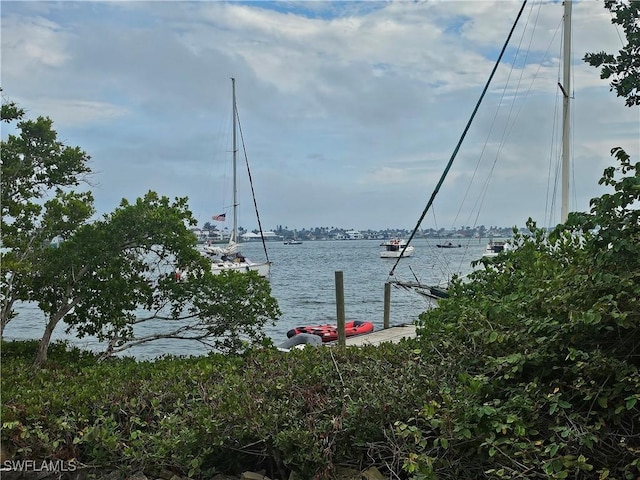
<point>349,111</point>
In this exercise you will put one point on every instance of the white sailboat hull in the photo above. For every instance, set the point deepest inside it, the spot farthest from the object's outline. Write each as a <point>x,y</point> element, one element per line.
<point>262,269</point>
<point>230,259</point>
<point>396,254</point>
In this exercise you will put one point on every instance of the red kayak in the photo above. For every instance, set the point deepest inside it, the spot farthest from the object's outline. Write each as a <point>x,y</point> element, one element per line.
<point>329,333</point>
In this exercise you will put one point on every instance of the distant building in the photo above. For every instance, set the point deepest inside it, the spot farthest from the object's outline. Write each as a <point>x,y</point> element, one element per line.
<point>349,235</point>
<point>252,237</point>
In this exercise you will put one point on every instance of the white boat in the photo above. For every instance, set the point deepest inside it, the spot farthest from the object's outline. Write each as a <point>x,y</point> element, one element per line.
<point>495,247</point>
<point>229,258</point>
<point>293,242</point>
<point>394,249</point>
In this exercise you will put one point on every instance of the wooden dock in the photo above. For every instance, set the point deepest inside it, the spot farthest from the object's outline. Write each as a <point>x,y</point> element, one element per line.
<point>391,334</point>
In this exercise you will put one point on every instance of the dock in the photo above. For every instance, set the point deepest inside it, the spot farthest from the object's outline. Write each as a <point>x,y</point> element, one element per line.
<point>391,334</point>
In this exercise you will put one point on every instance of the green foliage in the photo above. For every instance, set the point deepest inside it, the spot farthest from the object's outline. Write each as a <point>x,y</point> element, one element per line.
<point>35,166</point>
<point>530,370</point>
<point>118,272</point>
<point>623,69</point>
<point>103,273</point>
<point>305,411</point>
<point>10,112</point>
<point>539,353</point>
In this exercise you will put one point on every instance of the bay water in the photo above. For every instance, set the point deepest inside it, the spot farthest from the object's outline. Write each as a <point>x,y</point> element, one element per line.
<point>303,282</point>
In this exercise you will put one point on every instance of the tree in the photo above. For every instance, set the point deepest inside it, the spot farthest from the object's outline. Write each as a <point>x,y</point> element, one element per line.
<point>107,277</point>
<point>537,355</point>
<point>538,352</point>
<point>623,69</point>
<point>115,274</point>
<point>35,165</point>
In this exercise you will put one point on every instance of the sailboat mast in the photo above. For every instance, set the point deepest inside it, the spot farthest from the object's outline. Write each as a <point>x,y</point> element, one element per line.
<point>566,115</point>
<point>235,168</point>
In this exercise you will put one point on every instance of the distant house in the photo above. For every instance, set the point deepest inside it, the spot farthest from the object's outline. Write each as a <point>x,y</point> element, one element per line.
<point>349,235</point>
<point>218,236</point>
<point>252,237</point>
<point>200,234</point>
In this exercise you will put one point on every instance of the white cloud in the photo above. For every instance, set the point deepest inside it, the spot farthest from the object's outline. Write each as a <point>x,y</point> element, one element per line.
<point>74,113</point>
<point>31,44</point>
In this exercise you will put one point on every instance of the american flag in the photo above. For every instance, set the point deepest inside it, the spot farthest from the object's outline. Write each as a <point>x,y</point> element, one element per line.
<point>220,218</point>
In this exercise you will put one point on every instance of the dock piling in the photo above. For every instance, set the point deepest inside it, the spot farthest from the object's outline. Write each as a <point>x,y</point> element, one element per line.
<point>340,308</point>
<point>387,304</point>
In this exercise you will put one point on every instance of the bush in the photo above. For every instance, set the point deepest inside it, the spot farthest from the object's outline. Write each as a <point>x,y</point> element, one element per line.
<point>305,411</point>
<point>542,354</point>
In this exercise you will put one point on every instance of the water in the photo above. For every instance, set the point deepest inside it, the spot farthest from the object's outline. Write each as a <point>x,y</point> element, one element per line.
<point>303,282</point>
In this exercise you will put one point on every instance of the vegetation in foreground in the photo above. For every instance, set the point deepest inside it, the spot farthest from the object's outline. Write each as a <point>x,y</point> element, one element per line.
<point>304,411</point>
<point>528,371</point>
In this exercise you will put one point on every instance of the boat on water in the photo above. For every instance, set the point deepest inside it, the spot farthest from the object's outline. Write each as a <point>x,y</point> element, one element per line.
<point>329,333</point>
<point>448,245</point>
<point>293,242</point>
<point>437,292</point>
<point>394,247</point>
<point>494,247</point>
<point>229,258</point>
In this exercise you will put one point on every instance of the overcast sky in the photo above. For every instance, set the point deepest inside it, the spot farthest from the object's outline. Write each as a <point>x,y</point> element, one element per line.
<point>350,111</point>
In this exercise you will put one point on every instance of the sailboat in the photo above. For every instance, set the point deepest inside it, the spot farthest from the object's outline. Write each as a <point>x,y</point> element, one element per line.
<point>494,248</point>
<point>229,257</point>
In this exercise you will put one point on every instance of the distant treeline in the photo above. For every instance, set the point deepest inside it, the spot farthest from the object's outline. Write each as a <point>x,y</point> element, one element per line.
<point>329,233</point>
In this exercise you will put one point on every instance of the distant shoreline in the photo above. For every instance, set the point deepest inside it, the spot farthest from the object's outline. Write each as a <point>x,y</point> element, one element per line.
<point>277,240</point>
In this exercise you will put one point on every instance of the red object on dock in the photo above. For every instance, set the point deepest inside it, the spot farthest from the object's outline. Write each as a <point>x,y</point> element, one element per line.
<point>329,333</point>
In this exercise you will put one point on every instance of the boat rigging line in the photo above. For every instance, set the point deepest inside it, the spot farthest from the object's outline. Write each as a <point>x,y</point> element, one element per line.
<point>464,134</point>
<point>253,193</point>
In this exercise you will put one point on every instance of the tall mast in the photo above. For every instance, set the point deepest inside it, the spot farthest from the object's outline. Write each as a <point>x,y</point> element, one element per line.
<point>566,115</point>
<point>235,169</point>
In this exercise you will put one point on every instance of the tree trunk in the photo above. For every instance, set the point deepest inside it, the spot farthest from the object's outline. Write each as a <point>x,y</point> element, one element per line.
<point>43,348</point>
<point>6,314</point>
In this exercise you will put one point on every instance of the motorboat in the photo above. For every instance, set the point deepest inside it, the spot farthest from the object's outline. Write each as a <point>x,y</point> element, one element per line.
<point>394,247</point>
<point>448,245</point>
<point>494,247</point>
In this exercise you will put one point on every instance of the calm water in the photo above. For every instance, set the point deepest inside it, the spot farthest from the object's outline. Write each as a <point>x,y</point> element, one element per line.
<point>303,282</point>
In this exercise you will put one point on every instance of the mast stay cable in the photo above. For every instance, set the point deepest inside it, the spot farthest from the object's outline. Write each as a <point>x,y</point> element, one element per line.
<point>464,134</point>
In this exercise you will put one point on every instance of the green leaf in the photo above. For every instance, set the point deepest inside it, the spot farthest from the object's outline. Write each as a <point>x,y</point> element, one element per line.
<point>631,402</point>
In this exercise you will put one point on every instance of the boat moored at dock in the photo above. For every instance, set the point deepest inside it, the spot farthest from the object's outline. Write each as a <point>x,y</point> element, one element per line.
<point>329,333</point>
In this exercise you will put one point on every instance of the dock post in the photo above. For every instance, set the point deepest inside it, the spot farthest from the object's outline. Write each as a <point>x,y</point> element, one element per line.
<point>342,337</point>
<point>387,304</point>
